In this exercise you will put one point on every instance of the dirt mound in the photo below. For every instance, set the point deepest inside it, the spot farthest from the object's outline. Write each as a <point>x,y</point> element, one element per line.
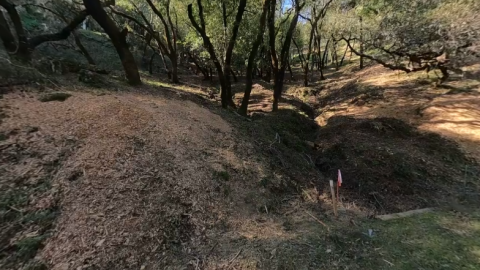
<point>388,163</point>
<point>148,182</point>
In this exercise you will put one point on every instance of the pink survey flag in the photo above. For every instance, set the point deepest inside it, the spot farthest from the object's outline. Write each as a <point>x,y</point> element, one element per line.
<point>339,178</point>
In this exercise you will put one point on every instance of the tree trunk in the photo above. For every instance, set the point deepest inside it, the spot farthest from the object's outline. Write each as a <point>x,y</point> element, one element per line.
<point>150,64</point>
<point>63,34</point>
<point>82,48</point>
<point>268,74</point>
<point>223,73</point>
<point>351,52</point>
<point>6,35</point>
<point>251,60</point>
<point>444,70</point>
<point>335,54</point>
<point>277,88</point>
<point>118,38</point>
<point>290,70</point>
<point>174,71</point>
<point>343,58</point>
<point>23,50</point>
<point>280,74</point>
<point>199,67</point>
<point>325,54</point>
<point>305,75</point>
<point>361,43</point>
<point>164,62</point>
<point>233,75</point>
<point>170,37</point>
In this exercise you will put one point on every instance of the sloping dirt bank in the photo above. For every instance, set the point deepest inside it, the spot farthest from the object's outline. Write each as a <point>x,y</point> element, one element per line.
<point>392,165</point>
<point>148,182</point>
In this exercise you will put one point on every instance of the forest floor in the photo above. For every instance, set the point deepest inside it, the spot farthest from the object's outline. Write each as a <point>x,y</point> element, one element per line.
<point>160,177</point>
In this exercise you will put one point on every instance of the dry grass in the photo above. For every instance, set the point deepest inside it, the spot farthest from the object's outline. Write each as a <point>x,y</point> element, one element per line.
<point>157,178</point>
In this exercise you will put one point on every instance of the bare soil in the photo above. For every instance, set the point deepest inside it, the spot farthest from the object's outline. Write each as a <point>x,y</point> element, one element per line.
<point>159,177</point>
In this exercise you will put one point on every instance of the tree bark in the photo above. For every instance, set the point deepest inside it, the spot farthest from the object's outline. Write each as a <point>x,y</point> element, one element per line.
<point>313,22</point>
<point>150,64</point>
<point>251,60</point>
<point>233,75</point>
<point>95,9</point>
<point>223,72</point>
<point>334,53</point>
<point>199,67</point>
<point>209,47</point>
<point>63,34</point>
<point>229,53</point>
<point>304,63</point>
<point>6,35</point>
<point>343,58</point>
<point>325,54</point>
<point>361,43</point>
<point>23,50</point>
<point>280,74</point>
<point>82,48</point>
<point>170,37</point>
<point>290,70</point>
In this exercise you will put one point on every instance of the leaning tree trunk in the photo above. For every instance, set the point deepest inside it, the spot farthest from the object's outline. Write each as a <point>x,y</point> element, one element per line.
<point>95,9</point>
<point>22,51</point>
<point>251,60</point>
<point>82,49</point>
<point>280,74</point>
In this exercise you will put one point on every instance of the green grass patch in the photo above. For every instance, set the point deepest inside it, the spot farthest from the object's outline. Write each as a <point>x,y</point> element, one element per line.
<point>27,248</point>
<point>439,240</point>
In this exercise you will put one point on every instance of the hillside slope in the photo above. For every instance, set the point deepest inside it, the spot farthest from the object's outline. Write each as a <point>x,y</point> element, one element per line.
<point>158,178</point>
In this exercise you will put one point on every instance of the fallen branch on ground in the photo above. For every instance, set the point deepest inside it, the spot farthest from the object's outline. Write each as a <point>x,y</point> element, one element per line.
<point>404,214</point>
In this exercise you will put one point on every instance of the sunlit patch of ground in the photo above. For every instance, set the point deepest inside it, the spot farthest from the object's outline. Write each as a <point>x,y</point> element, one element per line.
<point>452,110</point>
<point>157,181</point>
<point>457,117</point>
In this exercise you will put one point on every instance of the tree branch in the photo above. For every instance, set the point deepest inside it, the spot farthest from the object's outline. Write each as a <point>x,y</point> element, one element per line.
<point>63,34</point>
<point>383,63</point>
<point>236,26</point>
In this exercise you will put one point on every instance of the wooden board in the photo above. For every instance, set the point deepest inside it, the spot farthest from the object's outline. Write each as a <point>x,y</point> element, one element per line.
<point>404,214</point>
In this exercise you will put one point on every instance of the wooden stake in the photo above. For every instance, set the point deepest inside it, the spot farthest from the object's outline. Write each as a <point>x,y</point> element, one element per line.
<point>338,197</point>
<point>332,190</point>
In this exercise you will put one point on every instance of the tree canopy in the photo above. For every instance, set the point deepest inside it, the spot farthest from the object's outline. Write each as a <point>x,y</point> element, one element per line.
<point>258,37</point>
